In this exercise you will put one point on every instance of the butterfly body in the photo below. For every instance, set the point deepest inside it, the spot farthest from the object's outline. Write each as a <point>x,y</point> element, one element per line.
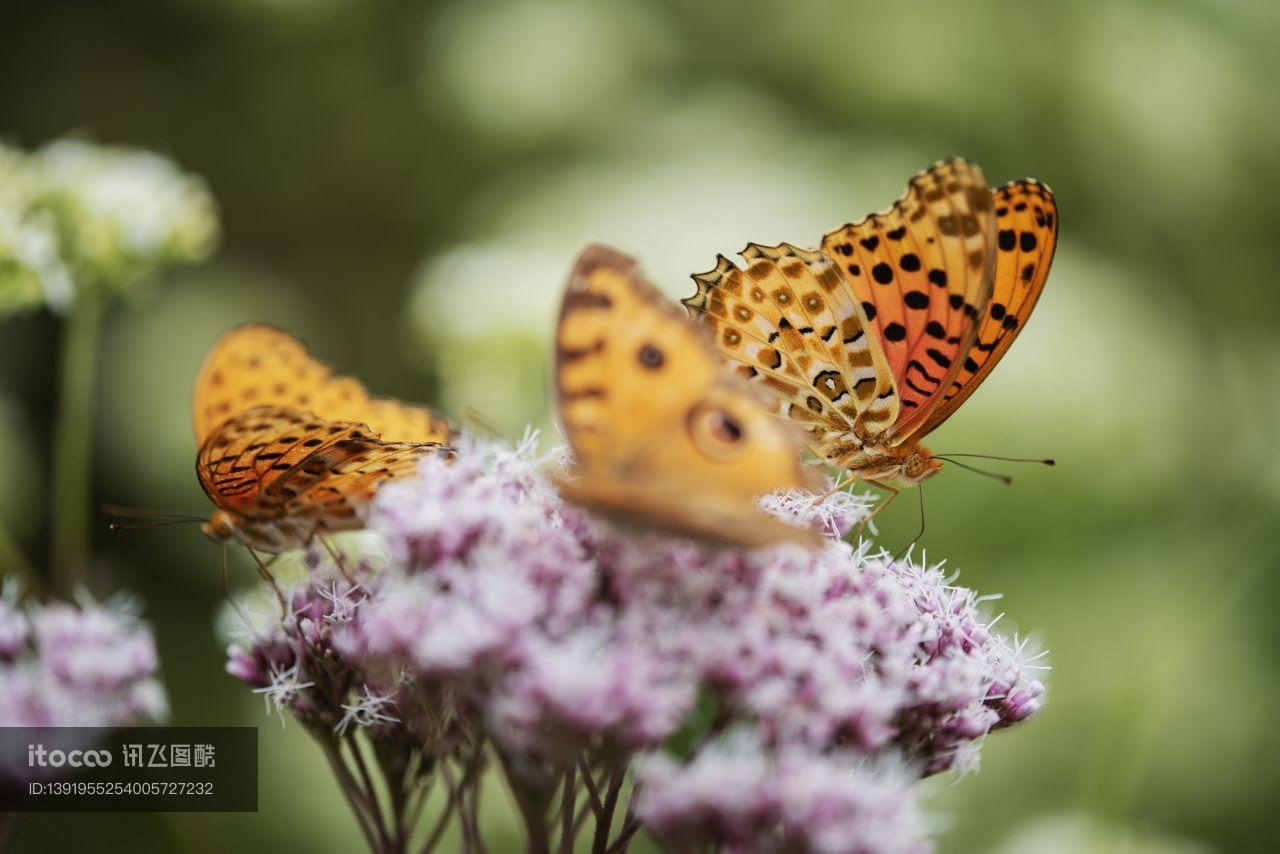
<point>896,465</point>
<point>282,455</point>
<point>271,537</point>
<point>873,341</point>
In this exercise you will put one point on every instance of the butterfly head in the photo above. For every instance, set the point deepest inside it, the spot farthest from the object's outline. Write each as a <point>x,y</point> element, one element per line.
<point>220,528</point>
<point>918,466</point>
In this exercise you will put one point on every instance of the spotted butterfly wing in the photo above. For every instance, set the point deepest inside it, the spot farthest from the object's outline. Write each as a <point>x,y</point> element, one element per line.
<point>662,435</point>
<point>1026,237</point>
<point>257,364</point>
<point>874,341</point>
<point>288,451</point>
<point>922,272</point>
<point>790,322</point>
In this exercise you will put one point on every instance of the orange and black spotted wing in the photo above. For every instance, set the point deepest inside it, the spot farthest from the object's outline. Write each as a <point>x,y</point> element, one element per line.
<point>1026,237</point>
<point>922,272</point>
<point>286,474</point>
<point>256,364</point>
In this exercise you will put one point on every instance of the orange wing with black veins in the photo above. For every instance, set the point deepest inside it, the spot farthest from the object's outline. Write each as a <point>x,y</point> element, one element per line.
<point>1026,237</point>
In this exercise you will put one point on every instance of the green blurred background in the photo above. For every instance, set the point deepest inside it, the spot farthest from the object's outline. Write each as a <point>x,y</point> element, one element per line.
<point>405,184</point>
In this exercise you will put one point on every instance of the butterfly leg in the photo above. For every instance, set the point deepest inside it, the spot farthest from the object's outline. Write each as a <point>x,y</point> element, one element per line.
<point>264,569</point>
<point>840,484</point>
<point>920,533</point>
<point>339,559</point>
<point>226,588</point>
<point>893,491</point>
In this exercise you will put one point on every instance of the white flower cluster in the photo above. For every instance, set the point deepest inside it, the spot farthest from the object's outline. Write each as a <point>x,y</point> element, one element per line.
<point>31,270</point>
<point>74,215</point>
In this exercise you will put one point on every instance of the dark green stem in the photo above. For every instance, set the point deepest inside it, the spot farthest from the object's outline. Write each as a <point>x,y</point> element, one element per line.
<point>73,438</point>
<point>365,812</point>
<point>604,824</point>
<point>568,800</point>
<point>531,803</point>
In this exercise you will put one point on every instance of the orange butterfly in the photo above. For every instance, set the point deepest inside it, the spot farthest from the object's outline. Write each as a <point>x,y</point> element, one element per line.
<point>877,339</point>
<point>662,433</point>
<point>289,451</point>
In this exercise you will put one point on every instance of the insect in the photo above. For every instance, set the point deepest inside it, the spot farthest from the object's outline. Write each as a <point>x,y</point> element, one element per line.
<point>874,341</point>
<point>287,450</point>
<point>662,433</point>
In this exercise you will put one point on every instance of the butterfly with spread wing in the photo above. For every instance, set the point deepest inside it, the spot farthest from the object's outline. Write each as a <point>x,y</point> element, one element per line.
<point>873,342</point>
<point>663,435</point>
<point>288,451</point>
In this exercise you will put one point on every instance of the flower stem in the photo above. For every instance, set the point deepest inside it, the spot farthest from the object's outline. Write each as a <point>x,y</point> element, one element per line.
<point>593,795</point>
<point>568,800</point>
<point>360,807</point>
<point>73,442</point>
<point>531,804</point>
<point>604,824</point>
<point>469,813</point>
<point>630,825</point>
<point>442,823</point>
<point>370,790</point>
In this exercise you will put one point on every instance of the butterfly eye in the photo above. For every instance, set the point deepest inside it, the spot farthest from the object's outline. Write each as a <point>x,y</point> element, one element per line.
<point>717,433</point>
<point>650,357</point>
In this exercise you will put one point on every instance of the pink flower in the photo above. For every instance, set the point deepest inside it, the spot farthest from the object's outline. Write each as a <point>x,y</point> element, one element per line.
<point>63,665</point>
<point>742,798</point>
<point>505,617</point>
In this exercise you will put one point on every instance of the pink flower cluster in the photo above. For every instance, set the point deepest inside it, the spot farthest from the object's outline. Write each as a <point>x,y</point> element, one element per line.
<point>63,665</point>
<point>807,689</point>
<point>736,794</point>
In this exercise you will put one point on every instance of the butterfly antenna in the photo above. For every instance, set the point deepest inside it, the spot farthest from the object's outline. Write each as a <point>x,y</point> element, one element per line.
<point>146,513</point>
<point>153,518</point>
<point>1003,478</point>
<point>115,527</point>
<point>1043,462</point>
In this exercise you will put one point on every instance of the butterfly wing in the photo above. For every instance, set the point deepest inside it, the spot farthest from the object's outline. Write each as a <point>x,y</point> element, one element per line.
<point>285,474</point>
<point>791,322</point>
<point>1026,236</point>
<point>257,364</point>
<point>922,272</point>
<point>661,432</point>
